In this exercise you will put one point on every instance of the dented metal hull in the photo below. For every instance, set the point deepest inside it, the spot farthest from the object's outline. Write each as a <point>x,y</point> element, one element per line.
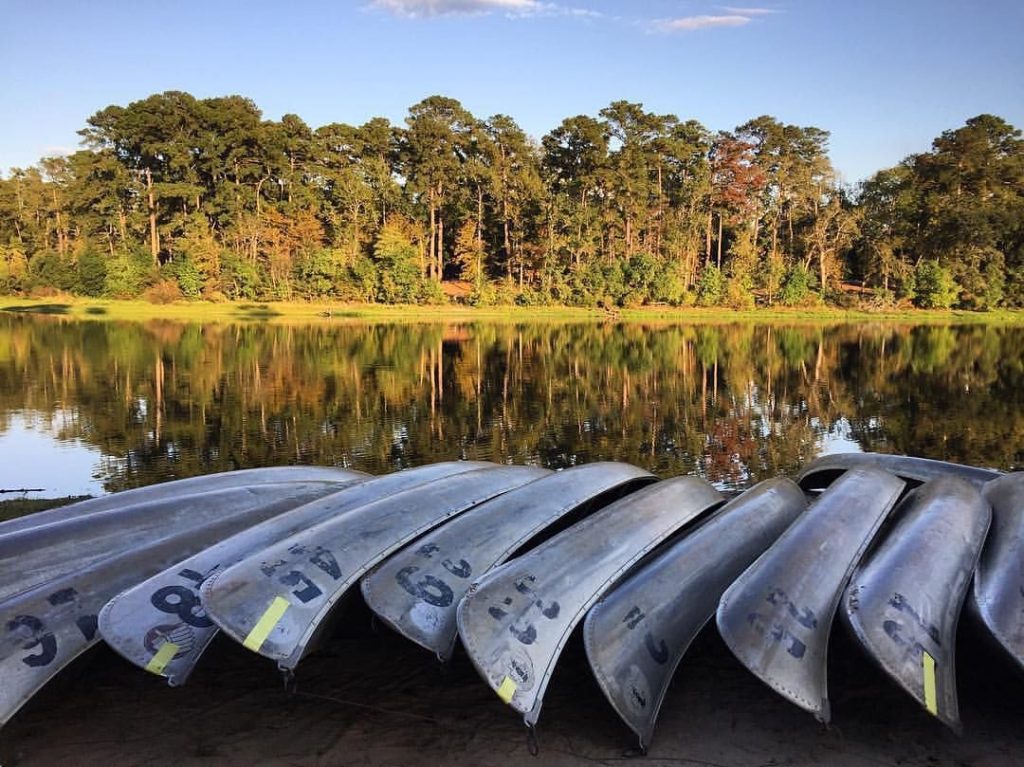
<point>637,634</point>
<point>516,620</point>
<point>903,603</point>
<point>135,626</point>
<point>824,470</point>
<point>275,601</point>
<point>270,554</point>
<point>998,593</point>
<point>417,590</point>
<point>777,615</point>
<point>169,491</point>
<point>45,628</point>
<point>36,555</point>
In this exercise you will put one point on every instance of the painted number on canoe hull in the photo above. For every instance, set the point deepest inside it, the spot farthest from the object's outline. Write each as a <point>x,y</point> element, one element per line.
<point>427,589</point>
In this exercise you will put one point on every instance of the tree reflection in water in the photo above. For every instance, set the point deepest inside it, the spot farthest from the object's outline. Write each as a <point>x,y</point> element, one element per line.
<point>735,403</point>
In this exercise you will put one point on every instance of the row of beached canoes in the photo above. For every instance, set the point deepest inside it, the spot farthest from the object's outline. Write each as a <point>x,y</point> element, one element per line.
<point>511,560</point>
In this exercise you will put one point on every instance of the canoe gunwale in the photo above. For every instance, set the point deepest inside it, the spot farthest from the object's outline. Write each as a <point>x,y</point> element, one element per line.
<point>314,621</point>
<point>851,618</point>
<point>689,537</point>
<point>820,709</point>
<point>87,587</point>
<point>980,603</point>
<point>542,675</point>
<point>588,505</point>
<point>824,470</point>
<point>250,541</point>
<point>289,664</point>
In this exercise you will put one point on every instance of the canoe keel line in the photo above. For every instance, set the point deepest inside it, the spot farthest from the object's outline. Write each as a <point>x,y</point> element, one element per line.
<point>511,560</point>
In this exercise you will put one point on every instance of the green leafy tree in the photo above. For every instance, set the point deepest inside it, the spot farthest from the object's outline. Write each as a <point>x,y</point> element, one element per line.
<point>935,287</point>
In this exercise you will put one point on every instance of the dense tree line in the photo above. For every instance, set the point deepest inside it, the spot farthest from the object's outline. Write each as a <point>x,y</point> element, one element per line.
<point>175,196</point>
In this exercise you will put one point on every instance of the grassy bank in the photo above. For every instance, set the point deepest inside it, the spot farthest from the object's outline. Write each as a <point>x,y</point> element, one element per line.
<point>306,313</point>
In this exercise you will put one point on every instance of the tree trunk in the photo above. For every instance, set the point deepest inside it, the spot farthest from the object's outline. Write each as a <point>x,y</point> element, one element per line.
<point>479,218</point>
<point>440,249</point>
<point>433,234</point>
<point>579,229</point>
<point>719,239</point>
<point>259,187</point>
<point>355,231</point>
<point>505,237</point>
<point>821,269</point>
<point>154,237</point>
<point>661,212</point>
<point>707,239</point>
<point>60,224</point>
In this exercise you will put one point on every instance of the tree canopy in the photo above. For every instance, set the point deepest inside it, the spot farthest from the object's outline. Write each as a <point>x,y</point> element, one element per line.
<point>178,197</point>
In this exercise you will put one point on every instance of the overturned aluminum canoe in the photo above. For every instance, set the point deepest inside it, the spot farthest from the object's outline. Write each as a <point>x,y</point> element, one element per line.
<point>998,594</point>
<point>819,473</point>
<point>777,615</point>
<point>136,623</point>
<point>36,555</point>
<point>275,601</point>
<point>417,590</point>
<point>637,634</point>
<point>169,491</point>
<point>903,602</point>
<point>516,620</point>
<point>45,628</point>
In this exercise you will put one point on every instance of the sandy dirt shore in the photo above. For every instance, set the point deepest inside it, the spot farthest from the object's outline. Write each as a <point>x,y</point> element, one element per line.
<point>371,699</point>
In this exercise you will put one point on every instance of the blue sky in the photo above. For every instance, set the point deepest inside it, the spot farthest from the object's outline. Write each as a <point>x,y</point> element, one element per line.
<point>884,76</point>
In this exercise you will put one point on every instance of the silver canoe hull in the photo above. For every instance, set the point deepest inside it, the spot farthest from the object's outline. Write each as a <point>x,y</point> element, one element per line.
<point>44,629</point>
<point>275,601</point>
<point>998,593</point>
<point>516,620</point>
<point>417,590</point>
<point>136,627</point>
<point>36,555</point>
<point>777,615</point>
<point>819,473</point>
<point>903,602</point>
<point>637,634</point>
<point>175,488</point>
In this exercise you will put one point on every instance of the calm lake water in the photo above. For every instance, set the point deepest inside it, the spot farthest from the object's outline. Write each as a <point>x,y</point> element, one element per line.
<point>88,407</point>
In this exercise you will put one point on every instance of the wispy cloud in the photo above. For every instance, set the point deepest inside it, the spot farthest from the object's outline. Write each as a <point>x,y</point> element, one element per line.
<point>693,23</point>
<point>731,16</point>
<point>415,9</point>
<point>420,9</point>
<point>749,11</point>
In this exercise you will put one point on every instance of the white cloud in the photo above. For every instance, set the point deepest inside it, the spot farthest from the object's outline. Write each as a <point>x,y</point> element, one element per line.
<point>693,23</point>
<point>415,9</point>
<point>419,9</point>
<point>749,11</point>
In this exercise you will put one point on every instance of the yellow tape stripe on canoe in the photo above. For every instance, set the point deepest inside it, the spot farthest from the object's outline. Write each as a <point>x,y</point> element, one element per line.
<point>931,700</point>
<point>163,656</point>
<point>254,641</point>
<point>507,689</point>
